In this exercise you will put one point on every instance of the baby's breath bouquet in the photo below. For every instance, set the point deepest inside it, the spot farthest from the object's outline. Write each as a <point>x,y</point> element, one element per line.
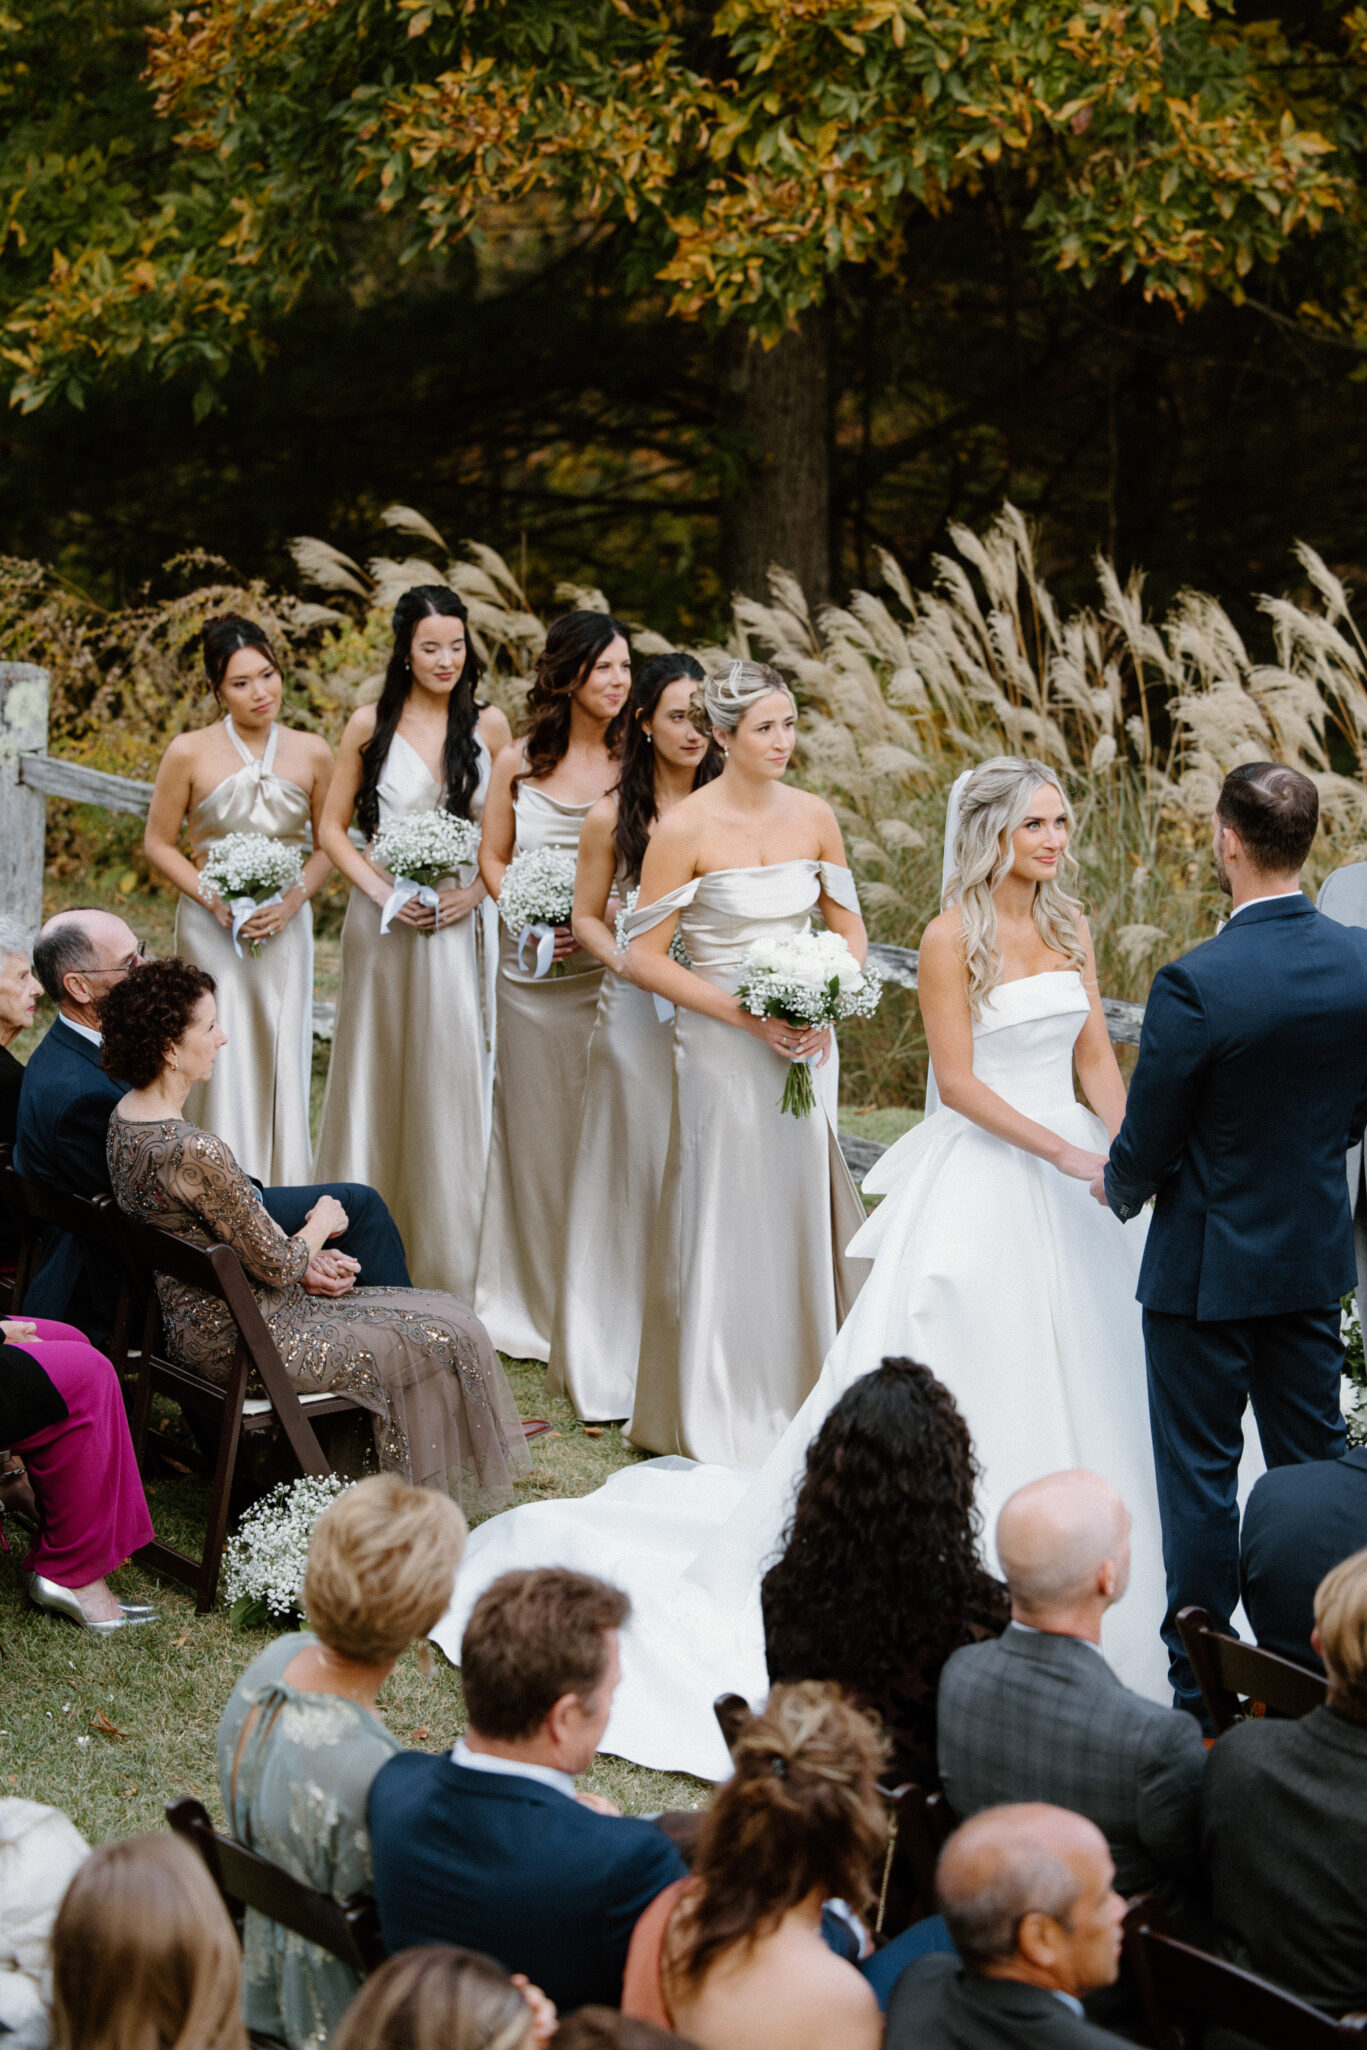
<point>263,1564</point>
<point>809,979</point>
<point>537,896</point>
<point>420,851</point>
<point>249,871</point>
<point>677,950</point>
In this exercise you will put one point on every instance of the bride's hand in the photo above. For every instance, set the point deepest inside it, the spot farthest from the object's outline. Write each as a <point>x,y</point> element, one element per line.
<point>1079,1164</point>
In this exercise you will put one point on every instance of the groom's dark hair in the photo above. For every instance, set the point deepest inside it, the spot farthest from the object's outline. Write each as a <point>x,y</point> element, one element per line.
<point>1274,810</point>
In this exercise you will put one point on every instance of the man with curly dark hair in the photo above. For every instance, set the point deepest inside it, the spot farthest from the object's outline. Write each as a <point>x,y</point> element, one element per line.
<point>64,1108</point>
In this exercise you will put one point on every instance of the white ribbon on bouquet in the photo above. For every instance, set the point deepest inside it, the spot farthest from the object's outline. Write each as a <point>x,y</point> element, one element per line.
<point>244,908</point>
<point>542,938</point>
<point>403,892</point>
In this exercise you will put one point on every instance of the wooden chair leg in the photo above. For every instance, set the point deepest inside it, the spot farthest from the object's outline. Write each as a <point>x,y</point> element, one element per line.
<point>220,1493</point>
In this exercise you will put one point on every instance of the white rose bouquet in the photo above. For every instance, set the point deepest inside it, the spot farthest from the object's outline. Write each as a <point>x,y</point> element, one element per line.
<point>419,852</point>
<point>537,896</point>
<point>263,1564</point>
<point>809,979</point>
<point>249,871</point>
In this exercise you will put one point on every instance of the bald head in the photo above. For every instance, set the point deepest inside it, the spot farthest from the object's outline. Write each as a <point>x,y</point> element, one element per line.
<point>79,954</point>
<point>1064,1544</point>
<point>1026,1892</point>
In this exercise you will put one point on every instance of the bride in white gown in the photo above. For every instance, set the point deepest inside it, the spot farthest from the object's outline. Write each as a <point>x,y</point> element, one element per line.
<point>991,1264</point>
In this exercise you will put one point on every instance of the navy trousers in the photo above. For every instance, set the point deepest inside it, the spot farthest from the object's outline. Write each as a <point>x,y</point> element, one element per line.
<point>372,1237</point>
<point>1201,1379</point>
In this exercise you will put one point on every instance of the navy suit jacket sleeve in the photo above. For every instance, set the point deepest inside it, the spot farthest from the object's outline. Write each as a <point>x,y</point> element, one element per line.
<point>1174,1051</point>
<point>653,1867</point>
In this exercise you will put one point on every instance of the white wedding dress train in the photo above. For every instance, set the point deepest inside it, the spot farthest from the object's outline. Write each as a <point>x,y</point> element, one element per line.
<point>997,1272</point>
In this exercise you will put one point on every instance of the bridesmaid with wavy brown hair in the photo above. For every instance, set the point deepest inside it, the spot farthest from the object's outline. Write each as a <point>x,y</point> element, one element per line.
<point>540,794</point>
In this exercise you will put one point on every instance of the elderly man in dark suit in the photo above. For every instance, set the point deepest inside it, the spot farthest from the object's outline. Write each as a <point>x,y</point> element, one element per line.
<point>1028,1895</point>
<point>1038,1715</point>
<point>493,1847</point>
<point>64,1108</point>
<point>1284,1822</point>
<point>1298,1523</point>
<point>1249,1090</point>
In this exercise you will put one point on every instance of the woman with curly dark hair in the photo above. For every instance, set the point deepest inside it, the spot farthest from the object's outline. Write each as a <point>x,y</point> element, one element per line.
<point>619,1164</point>
<point>880,1578</point>
<point>541,792</point>
<point>409,1082</point>
<point>443,1413</point>
<point>734,1954</point>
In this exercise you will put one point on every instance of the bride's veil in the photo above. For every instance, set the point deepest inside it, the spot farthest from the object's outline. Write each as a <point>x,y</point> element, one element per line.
<point>946,871</point>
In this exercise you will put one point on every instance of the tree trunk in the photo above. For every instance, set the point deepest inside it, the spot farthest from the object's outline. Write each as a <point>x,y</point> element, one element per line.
<point>776,426</point>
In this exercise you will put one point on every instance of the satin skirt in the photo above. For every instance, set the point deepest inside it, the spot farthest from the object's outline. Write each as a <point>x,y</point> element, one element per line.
<point>83,1470</point>
<point>748,1279</point>
<point>544,1029</point>
<point>257,1099</point>
<point>407,1098</point>
<point>614,1195</point>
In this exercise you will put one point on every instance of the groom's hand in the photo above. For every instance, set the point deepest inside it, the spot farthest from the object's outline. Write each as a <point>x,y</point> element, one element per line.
<point>1099,1190</point>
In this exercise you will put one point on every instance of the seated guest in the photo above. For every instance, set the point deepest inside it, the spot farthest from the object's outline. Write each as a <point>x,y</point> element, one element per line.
<point>734,1955</point>
<point>1284,1819</point>
<point>40,1849</point>
<point>607,2028</point>
<point>1038,1715</point>
<point>143,1953</point>
<point>1300,1521</point>
<point>300,1740</point>
<point>440,1998</point>
<point>1028,1895</point>
<point>64,1109</point>
<point>18,988</point>
<point>442,1411</point>
<point>492,1848</point>
<point>62,1415</point>
<point>880,1579</point>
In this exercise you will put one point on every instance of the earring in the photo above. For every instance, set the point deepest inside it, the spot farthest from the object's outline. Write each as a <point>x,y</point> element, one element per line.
<point>174,1067</point>
<point>649,741</point>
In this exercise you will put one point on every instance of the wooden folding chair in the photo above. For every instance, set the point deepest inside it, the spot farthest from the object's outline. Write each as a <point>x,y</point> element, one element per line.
<point>216,1272</point>
<point>1226,1668</point>
<point>36,1210</point>
<point>1183,1989</point>
<point>348,1929</point>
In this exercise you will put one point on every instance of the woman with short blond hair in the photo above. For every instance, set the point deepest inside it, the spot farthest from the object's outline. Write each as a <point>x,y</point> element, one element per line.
<point>144,1956</point>
<point>301,1738</point>
<point>441,1998</point>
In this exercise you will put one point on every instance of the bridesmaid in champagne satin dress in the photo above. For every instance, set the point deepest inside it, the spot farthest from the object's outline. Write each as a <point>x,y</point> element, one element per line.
<point>748,1281</point>
<point>624,1131</point>
<point>407,1103</point>
<point>541,793</point>
<point>247,774</point>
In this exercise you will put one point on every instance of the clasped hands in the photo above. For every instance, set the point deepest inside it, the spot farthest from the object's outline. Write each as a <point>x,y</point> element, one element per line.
<point>268,921</point>
<point>452,906</point>
<point>1081,1165</point>
<point>330,1273</point>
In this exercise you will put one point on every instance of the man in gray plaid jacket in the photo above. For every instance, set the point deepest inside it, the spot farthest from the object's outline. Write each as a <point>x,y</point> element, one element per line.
<point>1038,1715</point>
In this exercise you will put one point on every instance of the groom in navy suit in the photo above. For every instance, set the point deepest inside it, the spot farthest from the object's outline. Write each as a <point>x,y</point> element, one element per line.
<point>1250,1089</point>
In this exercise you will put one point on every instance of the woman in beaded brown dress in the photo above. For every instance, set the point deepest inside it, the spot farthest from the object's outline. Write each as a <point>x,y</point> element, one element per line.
<point>419,1360</point>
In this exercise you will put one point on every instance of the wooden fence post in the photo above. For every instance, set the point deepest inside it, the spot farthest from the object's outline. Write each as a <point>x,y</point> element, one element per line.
<point>23,730</point>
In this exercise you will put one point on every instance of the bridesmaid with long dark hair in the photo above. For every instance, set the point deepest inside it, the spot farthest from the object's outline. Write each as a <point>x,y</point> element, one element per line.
<point>249,774</point>
<point>408,1088</point>
<point>541,793</point>
<point>624,1131</point>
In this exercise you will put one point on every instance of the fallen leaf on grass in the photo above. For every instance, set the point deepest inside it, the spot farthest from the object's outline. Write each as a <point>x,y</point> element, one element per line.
<point>418,1736</point>
<point>593,1430</point>
<point>177,1642</point>
<point>100,1721</point>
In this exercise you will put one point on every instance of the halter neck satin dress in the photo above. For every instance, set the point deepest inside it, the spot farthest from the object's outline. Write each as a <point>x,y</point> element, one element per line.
<point>544,1028</point>
<point>257,1099</point>
<point>619,1166</point>
<point>407,1104</point>
<point>748,1280</point>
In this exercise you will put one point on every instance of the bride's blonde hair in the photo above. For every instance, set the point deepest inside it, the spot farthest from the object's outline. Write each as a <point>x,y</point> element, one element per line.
<point>729,693</point>
<point>995,800</point>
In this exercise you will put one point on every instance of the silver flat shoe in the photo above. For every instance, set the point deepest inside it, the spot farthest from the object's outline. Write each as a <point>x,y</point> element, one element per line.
<point>61,1601</point>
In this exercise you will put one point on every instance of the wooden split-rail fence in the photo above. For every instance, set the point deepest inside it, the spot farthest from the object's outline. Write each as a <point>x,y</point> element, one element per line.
<point>29,775</point>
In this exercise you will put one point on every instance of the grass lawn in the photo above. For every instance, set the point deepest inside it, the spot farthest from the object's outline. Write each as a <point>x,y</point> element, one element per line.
<point>111,1729</point>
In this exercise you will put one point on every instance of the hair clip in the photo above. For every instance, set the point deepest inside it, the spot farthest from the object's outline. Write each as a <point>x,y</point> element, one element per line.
<point>778,1767</point>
